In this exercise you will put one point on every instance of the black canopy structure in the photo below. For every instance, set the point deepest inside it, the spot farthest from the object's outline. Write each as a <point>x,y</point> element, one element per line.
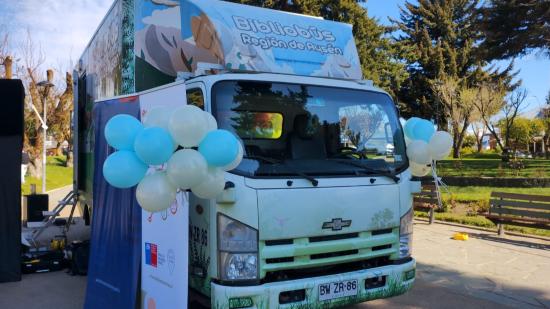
<point>12,96</point>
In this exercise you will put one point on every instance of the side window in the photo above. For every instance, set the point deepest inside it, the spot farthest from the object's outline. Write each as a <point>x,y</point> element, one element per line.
<point>195,97</point>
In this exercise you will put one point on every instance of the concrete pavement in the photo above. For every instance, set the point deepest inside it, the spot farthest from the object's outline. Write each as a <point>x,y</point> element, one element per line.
<point>484,272</point>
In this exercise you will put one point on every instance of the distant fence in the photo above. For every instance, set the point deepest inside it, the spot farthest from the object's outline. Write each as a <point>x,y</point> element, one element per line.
<point>495,182</point>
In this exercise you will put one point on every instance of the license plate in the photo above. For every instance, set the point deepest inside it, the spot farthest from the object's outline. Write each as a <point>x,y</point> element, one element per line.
<point>332,290</point>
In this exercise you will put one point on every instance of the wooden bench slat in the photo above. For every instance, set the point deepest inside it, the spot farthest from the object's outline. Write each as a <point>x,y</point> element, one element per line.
<point>525,197</point>
<point>429,187</point>
<point>433,194</point>
<point>519,204</point>
<point>519,212</point>
<point>519,219</point>
<point>425,200</point>
<point>424,206</point>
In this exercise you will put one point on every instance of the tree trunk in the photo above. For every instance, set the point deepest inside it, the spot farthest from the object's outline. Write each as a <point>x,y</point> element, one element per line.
<point>479,143</point>
<point>35,167</point>
<point>456,146</point>
<point>8,67</point>
<point>69,160</point>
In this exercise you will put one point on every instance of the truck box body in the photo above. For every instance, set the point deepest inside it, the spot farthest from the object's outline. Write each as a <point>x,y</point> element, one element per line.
<point>323,195</point>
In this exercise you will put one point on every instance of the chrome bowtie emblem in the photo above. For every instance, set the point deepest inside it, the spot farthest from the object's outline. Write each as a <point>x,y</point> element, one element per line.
<point>336,224</point>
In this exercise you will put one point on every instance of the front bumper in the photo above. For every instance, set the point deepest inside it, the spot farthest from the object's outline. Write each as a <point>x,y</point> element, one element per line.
<point>399,279</point>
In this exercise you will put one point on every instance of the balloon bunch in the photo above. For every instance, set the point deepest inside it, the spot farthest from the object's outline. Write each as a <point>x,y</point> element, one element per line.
<point>154,142</point>
<point>425,145</point>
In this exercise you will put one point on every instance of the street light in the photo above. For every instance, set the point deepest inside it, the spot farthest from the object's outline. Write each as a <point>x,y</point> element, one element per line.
<point>47,85</point>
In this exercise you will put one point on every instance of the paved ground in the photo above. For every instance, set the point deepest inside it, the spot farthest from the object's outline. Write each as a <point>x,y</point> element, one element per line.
<point>483,272</point>
<point>78,230</point>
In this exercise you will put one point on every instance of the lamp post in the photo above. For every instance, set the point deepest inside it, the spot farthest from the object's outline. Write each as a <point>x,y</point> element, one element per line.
<point>47,85</point>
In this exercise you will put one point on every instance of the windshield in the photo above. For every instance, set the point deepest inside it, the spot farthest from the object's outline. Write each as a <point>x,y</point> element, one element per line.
<point>288,129</point>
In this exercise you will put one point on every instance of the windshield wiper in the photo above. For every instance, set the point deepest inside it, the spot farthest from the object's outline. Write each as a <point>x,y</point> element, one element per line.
<point>368,169</point>
<point>313,181</point>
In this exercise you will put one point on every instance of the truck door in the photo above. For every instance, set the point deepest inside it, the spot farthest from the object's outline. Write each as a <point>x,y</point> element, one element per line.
<point>199,220</point>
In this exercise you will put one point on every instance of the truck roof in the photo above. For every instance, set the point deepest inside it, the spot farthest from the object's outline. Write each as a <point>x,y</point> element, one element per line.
<point>293,79</point>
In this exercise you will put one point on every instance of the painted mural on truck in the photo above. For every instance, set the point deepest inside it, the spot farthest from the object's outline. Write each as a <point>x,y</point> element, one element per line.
<point>105,69</point>
<point>160,51</point>
<point>256,39</point>
<point>171,38</point>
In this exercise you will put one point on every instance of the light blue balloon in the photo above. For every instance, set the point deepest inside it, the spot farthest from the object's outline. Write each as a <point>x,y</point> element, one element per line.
<point>409,125</point>
<point>219,148</point>
<point>123,169</point>
<point>154,145</point>
<point>121,131</point>
<point>423,130</point>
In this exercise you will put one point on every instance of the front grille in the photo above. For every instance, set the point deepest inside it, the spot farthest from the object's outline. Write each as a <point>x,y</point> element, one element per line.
<point>294,274</point>
<point>326,250</point>
<point>333,237</point>
<point>333,254</point>
<point>278,242</point>
<point>279,260</point>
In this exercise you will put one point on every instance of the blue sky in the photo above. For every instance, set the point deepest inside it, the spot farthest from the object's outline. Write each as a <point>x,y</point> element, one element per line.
<point>534,69</point>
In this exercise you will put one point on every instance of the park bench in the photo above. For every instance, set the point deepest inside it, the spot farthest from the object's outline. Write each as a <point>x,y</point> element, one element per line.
<point>519,209</point>
<point>427,199</point>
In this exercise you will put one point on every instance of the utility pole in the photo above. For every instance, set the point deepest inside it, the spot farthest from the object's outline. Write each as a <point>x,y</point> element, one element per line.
<point>47,84</point>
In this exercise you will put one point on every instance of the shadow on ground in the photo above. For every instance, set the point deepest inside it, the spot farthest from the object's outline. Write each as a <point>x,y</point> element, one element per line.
<point>437,287</point>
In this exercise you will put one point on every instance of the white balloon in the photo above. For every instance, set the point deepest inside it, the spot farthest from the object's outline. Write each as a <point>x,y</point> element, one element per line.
<point>407,140</point>
<point>418,152</point>
<point>212,186</point>
<point>188,125</point>
<point>440,145</point>
<point>235,162</point>
<point>211,121</point>
<point>158,116</point>
<point>155,192</point>
<point>186,168</point>
<point>419,170</point>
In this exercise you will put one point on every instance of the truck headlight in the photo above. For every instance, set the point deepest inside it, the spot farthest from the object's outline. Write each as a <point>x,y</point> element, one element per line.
<point>405,234</point>
<point>238,250</point>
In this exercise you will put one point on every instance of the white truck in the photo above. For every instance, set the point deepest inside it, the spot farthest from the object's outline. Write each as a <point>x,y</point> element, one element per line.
<point>319,212</point>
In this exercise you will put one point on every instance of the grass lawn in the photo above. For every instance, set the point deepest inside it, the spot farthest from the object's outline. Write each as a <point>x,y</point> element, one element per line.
<point>57,176</point>
<point>473,194</point>
<point>490,165</point>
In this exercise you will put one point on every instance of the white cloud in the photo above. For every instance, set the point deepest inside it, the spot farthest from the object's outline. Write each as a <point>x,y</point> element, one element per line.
<point>63,28</point>
<point>167,18</point>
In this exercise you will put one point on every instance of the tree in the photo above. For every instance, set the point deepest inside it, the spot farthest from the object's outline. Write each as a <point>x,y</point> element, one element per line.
<point>6,58</point>
<point>521,132</point>
<point>515,27</point>
<point>490,100</point>
<point>59,103</point>
<point>59,117</point>
<point>379,54</point>
<point>457,102</point>
<point>479,130</point>
<point>441,38</point>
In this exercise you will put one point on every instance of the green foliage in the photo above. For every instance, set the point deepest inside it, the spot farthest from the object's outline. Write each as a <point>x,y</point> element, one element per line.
<point>57,176</point>
<point>491,165</point>
<point>515,27</point>
<point>469,141</point>
<point>522,131</point>
<point>442,39</point>
<point>379,55</point>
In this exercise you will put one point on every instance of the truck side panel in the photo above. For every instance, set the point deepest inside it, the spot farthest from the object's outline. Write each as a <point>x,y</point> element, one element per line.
<point>105,70</point>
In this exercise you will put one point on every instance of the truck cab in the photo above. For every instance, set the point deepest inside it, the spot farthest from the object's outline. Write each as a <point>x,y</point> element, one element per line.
<point>319,210</point>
